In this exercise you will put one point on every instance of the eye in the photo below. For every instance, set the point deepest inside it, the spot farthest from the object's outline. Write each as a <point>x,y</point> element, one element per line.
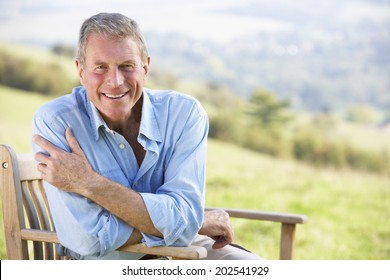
<point>128,67</point>
<point>100,69</point>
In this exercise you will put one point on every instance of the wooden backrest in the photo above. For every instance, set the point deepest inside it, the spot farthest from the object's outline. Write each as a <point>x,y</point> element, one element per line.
<point>28,225</point>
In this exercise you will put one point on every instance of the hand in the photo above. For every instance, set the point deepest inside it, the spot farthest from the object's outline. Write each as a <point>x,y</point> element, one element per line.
<point>64,170</point>
<point>217,226</point>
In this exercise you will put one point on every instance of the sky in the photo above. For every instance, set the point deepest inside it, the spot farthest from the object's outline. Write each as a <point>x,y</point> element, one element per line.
<point>46,21</point>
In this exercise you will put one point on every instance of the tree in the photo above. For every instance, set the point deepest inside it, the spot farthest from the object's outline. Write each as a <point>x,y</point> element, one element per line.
<point>64,49</point>
<point>268,111</point>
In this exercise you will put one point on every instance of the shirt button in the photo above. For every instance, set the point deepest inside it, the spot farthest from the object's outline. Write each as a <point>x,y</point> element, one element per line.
<point>122,146</point>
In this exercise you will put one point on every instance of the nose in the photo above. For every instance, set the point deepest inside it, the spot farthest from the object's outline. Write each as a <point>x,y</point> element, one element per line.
<point>115,78</point>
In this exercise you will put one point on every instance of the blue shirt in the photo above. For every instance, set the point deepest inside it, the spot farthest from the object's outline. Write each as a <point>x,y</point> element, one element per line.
<point>171,178</point>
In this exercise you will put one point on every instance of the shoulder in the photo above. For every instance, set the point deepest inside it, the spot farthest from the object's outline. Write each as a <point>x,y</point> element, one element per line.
<point>69,103</point>
<point>173,100</point>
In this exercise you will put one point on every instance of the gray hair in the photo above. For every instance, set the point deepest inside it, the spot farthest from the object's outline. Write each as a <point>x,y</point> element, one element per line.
<point>112,25</point>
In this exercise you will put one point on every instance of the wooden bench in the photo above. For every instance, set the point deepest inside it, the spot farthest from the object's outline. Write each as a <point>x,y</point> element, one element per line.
<point>29,229</point>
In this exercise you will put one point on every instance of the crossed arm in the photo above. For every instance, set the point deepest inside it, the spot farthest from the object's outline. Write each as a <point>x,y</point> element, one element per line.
<point>71,172</point>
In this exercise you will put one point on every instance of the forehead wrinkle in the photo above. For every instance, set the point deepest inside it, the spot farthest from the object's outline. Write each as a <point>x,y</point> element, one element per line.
<point>123,50</point>
<point>128,61</point>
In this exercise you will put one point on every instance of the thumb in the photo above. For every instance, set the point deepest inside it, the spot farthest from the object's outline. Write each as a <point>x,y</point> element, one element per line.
<point>72,142</point>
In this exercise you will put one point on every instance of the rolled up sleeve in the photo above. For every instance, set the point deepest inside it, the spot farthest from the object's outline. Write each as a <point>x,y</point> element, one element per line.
<point>177,206</point>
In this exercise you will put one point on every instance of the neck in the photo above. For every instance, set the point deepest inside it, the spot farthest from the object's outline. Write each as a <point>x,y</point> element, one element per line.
<point>129,126</point>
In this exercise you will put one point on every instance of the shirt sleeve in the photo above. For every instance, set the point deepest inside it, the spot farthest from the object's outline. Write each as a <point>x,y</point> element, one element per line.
<point>81,225</point>
<point>177,207</point>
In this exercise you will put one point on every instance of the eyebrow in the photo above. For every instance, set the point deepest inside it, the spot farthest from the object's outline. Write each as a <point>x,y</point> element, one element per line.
<point>129,61</point>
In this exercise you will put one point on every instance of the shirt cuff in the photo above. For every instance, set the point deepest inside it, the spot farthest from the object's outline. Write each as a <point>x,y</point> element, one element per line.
<point>113,235</point>
<point>171,225</point>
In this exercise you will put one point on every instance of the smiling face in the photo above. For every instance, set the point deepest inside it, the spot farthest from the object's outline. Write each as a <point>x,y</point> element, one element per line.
<point>113,75</point>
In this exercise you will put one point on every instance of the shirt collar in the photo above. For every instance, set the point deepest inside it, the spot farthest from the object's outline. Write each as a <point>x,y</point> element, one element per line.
<point>96,120</point>
<point>149,127</point>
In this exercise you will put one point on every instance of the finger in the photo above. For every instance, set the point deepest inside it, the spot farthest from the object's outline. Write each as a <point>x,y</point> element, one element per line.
<point>41,157</point>
<point>45,144</point>
<point>223,240</point>
<point>220,243</point>
<point>42,168</point>
<point>229,236</point>
<point>72,141</point>
<point>45,173</point>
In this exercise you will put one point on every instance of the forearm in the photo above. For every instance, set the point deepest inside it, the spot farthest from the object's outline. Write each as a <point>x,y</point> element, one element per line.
<point>135,238</point>
<point>122,202</point>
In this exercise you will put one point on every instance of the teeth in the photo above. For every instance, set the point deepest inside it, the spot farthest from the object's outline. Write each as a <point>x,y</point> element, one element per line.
<point>114,96</point>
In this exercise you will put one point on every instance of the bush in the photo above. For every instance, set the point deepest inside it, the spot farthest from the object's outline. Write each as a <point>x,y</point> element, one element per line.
<point>32,75</point>
<point>267,142</point>
<point>311,145</point>
<point>226,126</point>
<point>229,126</point>
<point>378,162</point>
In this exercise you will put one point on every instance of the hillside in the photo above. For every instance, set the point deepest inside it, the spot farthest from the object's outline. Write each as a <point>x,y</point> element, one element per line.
<point>319,138</point>
<point>347,210</point>
<point>325,56</point>
<point>17,108</point>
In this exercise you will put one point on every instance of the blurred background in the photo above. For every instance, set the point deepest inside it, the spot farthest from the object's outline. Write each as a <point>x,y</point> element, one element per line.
<point>297,92</point>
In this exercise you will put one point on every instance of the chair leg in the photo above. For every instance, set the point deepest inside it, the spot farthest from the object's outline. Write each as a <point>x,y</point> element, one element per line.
<point>287,241</point>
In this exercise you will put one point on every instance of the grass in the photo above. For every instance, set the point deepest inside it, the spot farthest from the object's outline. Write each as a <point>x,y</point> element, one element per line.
<point>17,108</point>
<point>349,212</point>
<point>368,137</point>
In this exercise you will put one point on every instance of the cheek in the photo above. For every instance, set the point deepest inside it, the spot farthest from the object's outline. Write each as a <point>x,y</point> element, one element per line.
<point>92,81</point>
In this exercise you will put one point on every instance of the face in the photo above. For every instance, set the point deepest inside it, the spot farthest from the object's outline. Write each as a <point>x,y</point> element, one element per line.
<point>113,75</point>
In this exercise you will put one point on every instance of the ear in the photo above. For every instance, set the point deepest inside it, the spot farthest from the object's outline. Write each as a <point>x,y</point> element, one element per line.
<point>146,67</point>
<point>80,71</point>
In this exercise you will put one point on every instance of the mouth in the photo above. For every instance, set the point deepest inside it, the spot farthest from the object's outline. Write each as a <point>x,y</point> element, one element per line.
<point>114,96</point>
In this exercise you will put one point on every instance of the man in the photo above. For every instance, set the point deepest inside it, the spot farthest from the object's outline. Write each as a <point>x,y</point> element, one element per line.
<point>123,164</point>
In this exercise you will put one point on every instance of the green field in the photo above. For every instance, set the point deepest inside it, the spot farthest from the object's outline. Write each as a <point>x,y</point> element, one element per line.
<point>349,212</point>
